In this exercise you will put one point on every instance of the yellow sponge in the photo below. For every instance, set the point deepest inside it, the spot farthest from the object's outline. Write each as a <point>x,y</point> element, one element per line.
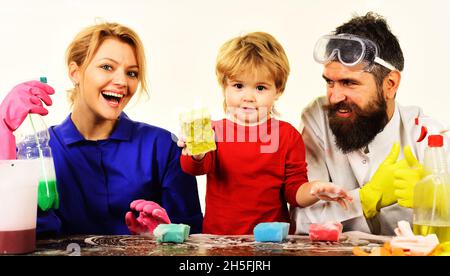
<point>196,128</point>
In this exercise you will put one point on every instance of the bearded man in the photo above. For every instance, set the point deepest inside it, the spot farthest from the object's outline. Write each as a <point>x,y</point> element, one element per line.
<point>354,134</point>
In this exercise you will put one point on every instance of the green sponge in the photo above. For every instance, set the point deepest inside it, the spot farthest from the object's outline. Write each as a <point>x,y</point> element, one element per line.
<point>176,233</point>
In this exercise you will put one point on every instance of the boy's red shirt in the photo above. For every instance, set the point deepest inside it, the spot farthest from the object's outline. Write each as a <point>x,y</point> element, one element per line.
<point>251,177</point>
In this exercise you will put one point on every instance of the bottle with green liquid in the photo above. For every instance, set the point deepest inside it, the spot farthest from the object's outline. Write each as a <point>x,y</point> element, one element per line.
<point>32,139</point>
<point>432,194</point>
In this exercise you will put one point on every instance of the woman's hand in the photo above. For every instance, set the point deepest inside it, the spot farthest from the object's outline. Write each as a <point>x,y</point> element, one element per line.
<point>23,99</point>
<point>150,216</point>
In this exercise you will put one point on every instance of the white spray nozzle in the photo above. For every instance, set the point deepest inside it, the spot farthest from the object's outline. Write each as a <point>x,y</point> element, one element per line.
<point>429,126</point>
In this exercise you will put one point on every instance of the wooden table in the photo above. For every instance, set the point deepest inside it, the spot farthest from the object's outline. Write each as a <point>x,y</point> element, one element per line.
<point>198,245</point>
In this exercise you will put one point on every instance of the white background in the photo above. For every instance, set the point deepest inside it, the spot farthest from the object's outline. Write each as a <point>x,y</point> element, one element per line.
<point>182,38</point>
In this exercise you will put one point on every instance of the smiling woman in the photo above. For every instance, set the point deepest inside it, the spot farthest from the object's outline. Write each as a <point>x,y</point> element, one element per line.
<point>106,164</point>
<point>105,86</point>
<point>86,45</point>
<point>104,65</point>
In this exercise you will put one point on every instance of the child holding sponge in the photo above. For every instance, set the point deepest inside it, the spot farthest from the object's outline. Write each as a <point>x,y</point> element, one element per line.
<point>259,164</point>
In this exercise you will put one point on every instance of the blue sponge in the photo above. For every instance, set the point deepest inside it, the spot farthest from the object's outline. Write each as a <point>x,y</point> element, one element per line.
<point>271,231</point>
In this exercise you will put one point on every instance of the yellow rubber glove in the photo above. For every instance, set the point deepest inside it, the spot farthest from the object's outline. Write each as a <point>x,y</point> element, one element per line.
<point>406,179</point>
<point>379,191</point>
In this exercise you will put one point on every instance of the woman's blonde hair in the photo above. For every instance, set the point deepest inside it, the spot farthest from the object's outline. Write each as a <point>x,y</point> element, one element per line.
<point>251,52</point>
<point>86,43</point>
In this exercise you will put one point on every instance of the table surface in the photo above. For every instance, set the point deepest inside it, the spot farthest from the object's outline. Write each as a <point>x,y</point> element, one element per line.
<point>200,245</point>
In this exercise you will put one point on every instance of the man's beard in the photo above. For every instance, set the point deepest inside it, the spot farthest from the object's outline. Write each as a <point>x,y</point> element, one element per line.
<point>357,132</point>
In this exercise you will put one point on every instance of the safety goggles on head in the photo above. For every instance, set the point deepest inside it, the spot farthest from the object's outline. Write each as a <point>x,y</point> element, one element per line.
<point>349,50</point>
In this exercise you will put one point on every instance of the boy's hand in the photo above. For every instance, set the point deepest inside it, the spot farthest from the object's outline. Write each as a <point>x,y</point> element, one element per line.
<point>331,192</point>
<point>182,144</point>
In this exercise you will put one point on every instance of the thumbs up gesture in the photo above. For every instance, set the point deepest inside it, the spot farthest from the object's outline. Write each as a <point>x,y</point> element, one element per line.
<point>379,191</point>
<point>407,178</point>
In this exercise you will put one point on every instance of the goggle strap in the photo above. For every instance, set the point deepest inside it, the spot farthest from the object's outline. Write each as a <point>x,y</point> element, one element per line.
<point>385,64</point>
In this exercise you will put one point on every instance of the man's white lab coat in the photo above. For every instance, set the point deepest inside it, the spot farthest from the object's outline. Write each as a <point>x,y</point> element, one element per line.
<point>351,171</point>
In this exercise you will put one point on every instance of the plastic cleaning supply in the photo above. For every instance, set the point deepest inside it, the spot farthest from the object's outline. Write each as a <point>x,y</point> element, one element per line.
<point>406,179</point>
<point>32,143</point>
<point>176,233</point>
<point>271,231</point>
<point>415,245</point>
<point>429,127</point>
<point>18,205</point>
<point>329,231</point>
<point>24,98</point>
<point>432,193</point>
<point>196,128</point>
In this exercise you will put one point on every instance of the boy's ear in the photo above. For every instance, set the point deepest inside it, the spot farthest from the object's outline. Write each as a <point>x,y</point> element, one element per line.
<point>74,73</point>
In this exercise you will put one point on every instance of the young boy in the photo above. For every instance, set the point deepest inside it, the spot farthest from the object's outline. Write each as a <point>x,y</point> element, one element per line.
<point>259,164</point>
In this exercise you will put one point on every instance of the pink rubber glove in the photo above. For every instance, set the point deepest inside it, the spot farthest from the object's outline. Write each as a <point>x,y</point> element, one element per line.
<point>23,99</point>
<point>150,216</point>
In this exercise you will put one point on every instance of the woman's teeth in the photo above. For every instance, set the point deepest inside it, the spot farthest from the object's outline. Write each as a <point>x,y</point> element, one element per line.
<point>111,96</point>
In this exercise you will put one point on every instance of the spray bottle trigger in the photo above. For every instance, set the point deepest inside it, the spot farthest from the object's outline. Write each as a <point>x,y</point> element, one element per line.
<point>423,133</point>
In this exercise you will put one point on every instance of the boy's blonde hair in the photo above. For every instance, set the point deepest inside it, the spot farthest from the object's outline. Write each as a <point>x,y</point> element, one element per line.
<point>86,43</point>
<point>251,52</point>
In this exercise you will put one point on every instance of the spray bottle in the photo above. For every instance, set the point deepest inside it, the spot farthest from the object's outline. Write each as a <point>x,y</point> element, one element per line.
<point>32,143</point>
<point>431,202</point>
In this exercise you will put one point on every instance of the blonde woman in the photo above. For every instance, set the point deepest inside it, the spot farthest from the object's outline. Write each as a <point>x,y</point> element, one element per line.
<point>105,162</point>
